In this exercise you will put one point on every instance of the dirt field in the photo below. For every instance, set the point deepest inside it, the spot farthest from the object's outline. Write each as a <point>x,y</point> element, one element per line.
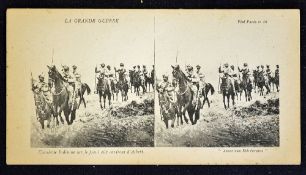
<point>127,124</point>
<point>254,123</point>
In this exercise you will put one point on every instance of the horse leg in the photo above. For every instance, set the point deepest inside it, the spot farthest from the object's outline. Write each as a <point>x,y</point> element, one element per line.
<point>184,113</point>
<point>80,101</point>
<point>56,114</point>
<point>224,100</point>
<point>60,113</point>
<point>72,116</point>
<point>84,102</point>
<point>197,116</point>
<point>166,122</point>
<point>49,121</point>
<point>41,121</point>
<point>245,94</point>
<point>190,114</point>
<point>66,114</point>
<point>228,99</point>
<point>173,120</point>
<point>100,97</point>
<point>104,99</point>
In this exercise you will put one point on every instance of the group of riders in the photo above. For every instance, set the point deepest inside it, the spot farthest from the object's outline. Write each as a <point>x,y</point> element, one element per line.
<point>124,76</point>
<point>230,78</point>
<point>44,92</point>
<point>72,80</point>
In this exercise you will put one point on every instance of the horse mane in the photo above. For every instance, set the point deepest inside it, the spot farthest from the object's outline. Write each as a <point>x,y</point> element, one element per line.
<point>58,73</point>
<point>184,76</point>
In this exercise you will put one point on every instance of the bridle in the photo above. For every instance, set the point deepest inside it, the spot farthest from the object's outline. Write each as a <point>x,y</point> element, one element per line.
<point>61,91</point>
<point>181,94</point>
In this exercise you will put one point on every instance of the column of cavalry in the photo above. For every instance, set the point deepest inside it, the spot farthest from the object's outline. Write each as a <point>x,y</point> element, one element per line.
<point>188,91</point>
<point>112,81</point>
<point>63,92</point>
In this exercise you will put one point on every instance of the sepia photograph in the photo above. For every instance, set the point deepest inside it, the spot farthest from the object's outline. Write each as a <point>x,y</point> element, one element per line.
<point>218,88</point>
<point>92,83</point>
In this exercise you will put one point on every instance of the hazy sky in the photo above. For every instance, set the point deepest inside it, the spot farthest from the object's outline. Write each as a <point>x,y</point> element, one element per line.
<point>208,38</point>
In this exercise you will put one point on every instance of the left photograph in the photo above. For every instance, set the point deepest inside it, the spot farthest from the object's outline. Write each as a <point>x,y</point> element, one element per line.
<point>91,83</point>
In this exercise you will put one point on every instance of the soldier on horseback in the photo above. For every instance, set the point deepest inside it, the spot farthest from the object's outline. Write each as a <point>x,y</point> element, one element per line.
<point>245,73</point>
<point>193,77</point>
<point>42,86</point>
<point>144,71</point>
<point>268,75</point>
<point>110,75</point>
<point>201,78</point>
<point>121,71</point>
<point>77,77</point>
<point>235,77</point>
<point>101,71</point>
<point>165,86</point>
<point>70,84</point>
<point>167,91</point>
<point>277,71</point>
<point>227,74</point>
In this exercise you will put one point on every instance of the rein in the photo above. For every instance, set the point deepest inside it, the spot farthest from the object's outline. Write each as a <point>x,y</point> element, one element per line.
<point>56,94</point>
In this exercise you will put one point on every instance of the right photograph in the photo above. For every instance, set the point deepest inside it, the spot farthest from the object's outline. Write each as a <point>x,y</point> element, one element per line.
<point>217,80</point>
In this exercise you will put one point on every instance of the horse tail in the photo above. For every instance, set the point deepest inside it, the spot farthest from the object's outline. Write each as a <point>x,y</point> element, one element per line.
<point>212,88</point>
<point>87,88</point>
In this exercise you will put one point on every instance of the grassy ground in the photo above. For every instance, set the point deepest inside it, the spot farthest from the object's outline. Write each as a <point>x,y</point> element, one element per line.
<point>102,128</point>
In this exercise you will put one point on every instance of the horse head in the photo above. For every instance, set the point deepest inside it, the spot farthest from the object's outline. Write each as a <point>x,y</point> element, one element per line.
<point>53,72</point>
<point>178,74</point>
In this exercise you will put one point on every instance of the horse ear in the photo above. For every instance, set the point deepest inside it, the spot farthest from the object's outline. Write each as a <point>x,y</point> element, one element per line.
<point>172,66</point>
<point>48,67</point>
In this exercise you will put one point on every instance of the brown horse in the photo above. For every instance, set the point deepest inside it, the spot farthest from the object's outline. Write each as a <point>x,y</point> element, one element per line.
<point>104,90</point>
<point>62,96</point>
<point>246,85</point>
<point>227,91</point>
<point>44,111</point>
<point>185,97</point>
<point>115,89</point>
<point>149,81</point>
<point>207,88</point>
<point>168,108</point>
<point>84,87</point>
<point>124,88</point>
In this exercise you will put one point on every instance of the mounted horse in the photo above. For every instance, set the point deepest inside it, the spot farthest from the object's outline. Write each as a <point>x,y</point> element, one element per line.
<point>131,75</point>
<point>255,81</point>
<point>205,90</point>
<point>139,82</point>
<point>168,107</point>
<point>115,89</point>
<point>185,97</point>
<point>44,110</point>
<point>124,88</point>
<point>83,88</point>
<point>149,80</point>
<point>227,91</point>
<point>262,82</point>
<point>63,96</point>
<point>246,85</point>
<point>104,90</point>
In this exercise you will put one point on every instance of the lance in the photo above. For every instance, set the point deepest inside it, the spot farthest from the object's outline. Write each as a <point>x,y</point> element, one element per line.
<point>96,91</point>
<point>219,88</point>
<point>52,55</point>
<point>176,57</point>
